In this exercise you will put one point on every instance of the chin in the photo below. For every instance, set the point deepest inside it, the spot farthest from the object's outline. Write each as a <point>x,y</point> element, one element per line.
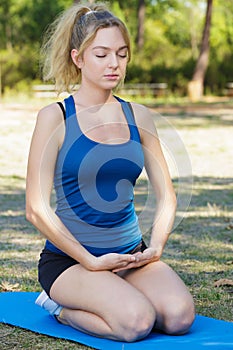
<point>112,85</point>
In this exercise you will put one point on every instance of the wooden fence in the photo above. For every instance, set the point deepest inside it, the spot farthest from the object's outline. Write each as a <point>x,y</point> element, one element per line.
<point>156,90</point>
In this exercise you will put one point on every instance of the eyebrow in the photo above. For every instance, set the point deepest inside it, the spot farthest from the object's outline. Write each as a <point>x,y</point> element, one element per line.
<point>108,48</point>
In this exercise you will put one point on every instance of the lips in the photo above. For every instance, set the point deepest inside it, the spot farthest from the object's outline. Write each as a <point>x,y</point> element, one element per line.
<point>112,76</point>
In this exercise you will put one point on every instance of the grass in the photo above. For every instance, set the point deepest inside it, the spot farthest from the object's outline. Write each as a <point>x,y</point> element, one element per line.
<point>200,248</point>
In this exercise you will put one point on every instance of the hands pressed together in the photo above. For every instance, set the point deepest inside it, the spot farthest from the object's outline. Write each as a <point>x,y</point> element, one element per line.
<point>118,262</point>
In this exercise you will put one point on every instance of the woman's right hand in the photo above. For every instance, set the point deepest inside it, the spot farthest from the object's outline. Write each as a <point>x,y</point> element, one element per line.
<point>112,261</point>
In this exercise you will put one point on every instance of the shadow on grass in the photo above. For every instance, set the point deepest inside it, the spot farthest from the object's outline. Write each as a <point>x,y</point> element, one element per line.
<point>202,243</point>
<point>208,217</point>
<point>203,119</point>
<point>12,212</point>
<point>200,248</point>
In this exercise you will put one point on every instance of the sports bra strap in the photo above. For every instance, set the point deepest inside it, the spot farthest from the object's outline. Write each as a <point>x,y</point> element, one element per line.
<point>60,104</point>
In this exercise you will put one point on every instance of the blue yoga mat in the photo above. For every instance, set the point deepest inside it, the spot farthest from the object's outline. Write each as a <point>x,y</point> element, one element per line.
<point>19,309</point>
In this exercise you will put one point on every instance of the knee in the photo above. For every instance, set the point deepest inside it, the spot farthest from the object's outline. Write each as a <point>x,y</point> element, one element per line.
<point>139,323</point>
<point>179,320</point>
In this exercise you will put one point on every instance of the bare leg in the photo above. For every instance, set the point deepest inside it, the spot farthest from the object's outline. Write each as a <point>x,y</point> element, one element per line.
<point>103,304</point>
<point>166,291</point>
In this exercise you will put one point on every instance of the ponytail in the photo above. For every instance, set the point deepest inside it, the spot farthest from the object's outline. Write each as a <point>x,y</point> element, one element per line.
<point>75,28</point>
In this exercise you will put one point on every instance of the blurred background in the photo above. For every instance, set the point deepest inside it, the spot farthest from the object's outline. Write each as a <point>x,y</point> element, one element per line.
<point>175,43</point>
<point>182,69</point>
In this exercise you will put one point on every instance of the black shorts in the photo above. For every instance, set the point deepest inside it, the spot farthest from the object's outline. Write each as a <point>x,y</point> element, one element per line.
<point>52,265</point>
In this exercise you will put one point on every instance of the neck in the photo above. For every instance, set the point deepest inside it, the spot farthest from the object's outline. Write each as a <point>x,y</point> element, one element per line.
<point>86,97</point>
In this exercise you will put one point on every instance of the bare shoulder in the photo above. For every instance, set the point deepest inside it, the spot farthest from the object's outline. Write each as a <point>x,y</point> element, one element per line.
<point>144,118</point>
<point>50,121</point>
<point>50,115</point>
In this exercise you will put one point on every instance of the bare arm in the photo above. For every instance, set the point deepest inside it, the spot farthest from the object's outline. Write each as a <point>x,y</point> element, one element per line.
<point>160,180</point>
<point>158,174</point>
<point>46,141</point>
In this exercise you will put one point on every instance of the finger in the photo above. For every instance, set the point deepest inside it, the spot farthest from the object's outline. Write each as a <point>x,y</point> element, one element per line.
<point>143,257</point>
<point>138,256</point>
<point>124,261</point>
<point>134,265</point>
<point>114,261</point>
<point>148,254</point>
<point>127,258</point>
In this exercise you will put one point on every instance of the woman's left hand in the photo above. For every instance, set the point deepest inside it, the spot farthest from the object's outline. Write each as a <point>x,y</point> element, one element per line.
<point>149,255</point>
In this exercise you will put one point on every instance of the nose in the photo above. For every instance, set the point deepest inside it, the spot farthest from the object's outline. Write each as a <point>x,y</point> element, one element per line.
<point>113,61</point>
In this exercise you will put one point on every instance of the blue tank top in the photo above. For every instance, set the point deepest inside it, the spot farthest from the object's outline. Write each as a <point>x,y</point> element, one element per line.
<point>94,185</point>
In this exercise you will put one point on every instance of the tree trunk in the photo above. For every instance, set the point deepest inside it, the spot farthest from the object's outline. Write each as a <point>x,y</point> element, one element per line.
<point>141,18</point>
<point>195,86</point>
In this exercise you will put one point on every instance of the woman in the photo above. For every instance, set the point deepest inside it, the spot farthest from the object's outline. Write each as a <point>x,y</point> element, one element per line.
<point>97,274</point>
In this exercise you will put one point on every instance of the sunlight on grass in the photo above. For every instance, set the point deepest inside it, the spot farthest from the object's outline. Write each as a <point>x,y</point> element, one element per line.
<point>200,249</point>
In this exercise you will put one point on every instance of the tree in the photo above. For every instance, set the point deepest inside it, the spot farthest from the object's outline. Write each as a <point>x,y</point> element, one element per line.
<point>140,28</point>
<point>6,14</point>
<point>170,36</point>
<point>195,86</point>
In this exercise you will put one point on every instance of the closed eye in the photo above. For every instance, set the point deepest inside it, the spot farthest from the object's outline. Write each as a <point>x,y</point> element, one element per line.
<point>102,51</point>
<point>119,55</point>
<point>122,55</point>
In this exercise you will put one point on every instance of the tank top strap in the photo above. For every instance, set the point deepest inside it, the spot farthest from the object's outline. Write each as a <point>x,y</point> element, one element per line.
<point>71,118</point>
<point>72,127</point>
<point>129,114</point>
<point>70,107</point>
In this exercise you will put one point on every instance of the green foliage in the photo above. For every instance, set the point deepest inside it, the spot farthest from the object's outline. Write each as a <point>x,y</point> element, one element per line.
<point>222,30</point>
<point>173,30</point>
<point>21,28</point>
<point>18,65</point>
<point>24,21</point>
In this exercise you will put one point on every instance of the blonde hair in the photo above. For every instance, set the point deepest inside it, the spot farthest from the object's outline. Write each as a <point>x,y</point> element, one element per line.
<point>75,28</point>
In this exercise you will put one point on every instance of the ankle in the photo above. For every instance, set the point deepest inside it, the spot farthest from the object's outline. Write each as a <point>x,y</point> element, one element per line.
<point>60,318</point>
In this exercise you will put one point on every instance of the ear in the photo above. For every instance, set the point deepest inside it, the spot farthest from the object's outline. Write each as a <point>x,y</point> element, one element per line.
<point>78,61</point>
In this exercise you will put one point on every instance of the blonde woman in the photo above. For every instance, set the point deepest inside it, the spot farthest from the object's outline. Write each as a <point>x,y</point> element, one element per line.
<point>96,273</point>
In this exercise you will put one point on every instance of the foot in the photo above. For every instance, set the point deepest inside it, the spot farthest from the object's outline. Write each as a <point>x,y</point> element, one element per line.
<point>48,304</point>
<point>61,319</point>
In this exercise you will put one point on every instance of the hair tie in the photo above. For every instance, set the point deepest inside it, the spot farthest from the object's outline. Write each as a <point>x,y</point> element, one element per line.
<point>98,15</point>
<point>90,11</point>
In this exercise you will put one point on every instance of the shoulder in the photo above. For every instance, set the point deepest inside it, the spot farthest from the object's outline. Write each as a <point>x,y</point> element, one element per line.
<point>51,113</point>
<point>144,118</point>
<point>50,121</point>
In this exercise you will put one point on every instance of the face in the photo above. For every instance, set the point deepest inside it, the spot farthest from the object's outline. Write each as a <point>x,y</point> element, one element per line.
<point>104,62</point>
